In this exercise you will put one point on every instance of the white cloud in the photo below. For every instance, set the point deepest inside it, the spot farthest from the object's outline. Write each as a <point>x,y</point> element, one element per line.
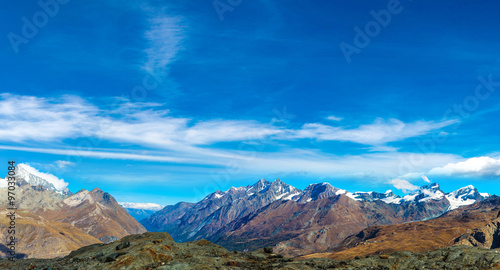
<point>380,132</point>
<point>145,206</point>
<point>59,184</point>
<point>478,166</point>
<point>56,119</point>
<point>41,119</point>
<point>61,164</point>
<point>376,166</point>
<point>403,185</point>
<point>426,179</point>
<point>334,118</point>
<point>98,153</point>
<point>165,138</point>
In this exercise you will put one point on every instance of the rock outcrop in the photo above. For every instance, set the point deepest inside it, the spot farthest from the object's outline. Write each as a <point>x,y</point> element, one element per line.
<point>159,251</point>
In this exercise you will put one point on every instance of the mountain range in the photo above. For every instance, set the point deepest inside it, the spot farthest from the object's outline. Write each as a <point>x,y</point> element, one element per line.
<point>141,210</point>
<point>472,225</point>
<point>321,218</point>
<point>298,221</point>
<point>52,221</point>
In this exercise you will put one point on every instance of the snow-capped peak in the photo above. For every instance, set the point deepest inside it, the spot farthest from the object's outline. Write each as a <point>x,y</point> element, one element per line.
<point>463,196</point>
<point>37,178</point>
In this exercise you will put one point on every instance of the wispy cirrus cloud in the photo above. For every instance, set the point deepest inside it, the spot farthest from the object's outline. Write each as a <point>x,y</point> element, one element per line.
<point>380,132</point>
<point>334,118</point>
<point>43,119</point>
<point>376,166</point>
<point>28,118</point>
<point>164,39</point>
<point>48,123</point>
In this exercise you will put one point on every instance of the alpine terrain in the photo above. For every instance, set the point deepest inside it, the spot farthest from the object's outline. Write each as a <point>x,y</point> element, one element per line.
<point>297,221</point>
<point>51,221</point>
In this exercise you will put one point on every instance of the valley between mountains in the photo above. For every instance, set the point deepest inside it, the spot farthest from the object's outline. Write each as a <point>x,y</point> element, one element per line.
<point>319,222</point>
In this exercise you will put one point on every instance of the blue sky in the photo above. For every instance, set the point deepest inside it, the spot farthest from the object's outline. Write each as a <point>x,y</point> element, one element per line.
<point>162,101</point>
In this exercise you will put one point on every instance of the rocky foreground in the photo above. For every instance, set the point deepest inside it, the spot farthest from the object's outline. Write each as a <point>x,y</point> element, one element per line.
<point>159,251</point>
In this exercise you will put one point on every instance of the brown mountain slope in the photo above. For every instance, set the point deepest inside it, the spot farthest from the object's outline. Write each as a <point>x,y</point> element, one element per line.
<point>38,237</point>
<point>298,228</point>
<point>96,213</point>
<point>187,222</point>
<point>474,225</point>
<point>52,224</point>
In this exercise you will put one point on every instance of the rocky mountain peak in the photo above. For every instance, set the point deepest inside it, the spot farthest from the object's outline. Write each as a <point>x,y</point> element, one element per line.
<point>319,191</point>
<point>261,185</point>
<point>281,190</point>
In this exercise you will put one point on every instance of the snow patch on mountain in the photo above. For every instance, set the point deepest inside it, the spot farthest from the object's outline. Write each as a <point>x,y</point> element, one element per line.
<point>353,196</point>
<point>290,196</point>
<point>78,198</point>
<point>485,195</point>
<point>392,199</point>
<point>340,191</point>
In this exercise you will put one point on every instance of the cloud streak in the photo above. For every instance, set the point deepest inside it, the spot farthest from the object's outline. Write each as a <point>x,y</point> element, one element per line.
<point>380,132</point>
<point>164,40</point>
<point>28,118</point>
<point>56,125</point>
